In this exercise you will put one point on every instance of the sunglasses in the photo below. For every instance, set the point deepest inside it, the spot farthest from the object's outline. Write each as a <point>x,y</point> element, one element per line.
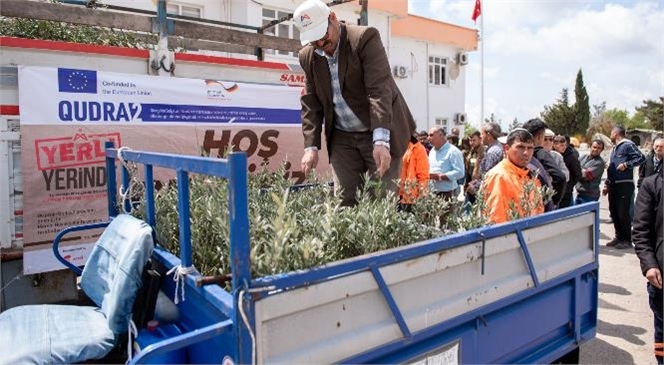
<point>548,138</point>
<point>326,36</point>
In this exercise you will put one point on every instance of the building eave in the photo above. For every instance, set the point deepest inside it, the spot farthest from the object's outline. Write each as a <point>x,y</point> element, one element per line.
<point>434,31</point>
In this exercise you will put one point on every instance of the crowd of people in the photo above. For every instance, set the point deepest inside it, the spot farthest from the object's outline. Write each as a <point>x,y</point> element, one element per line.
<point>553,163</point>
<point>351,98</point>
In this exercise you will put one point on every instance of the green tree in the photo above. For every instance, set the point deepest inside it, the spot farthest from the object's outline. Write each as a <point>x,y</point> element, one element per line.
<point>492,119</point>
<point>581,105</point>
<point>598,109</point>
<point>618,117</point>
<point>515,124</point>
<point>599,122</point>
<point>653,112</point>
<point>468,129</point>
<point>639,121</point>
<point>560,116</point>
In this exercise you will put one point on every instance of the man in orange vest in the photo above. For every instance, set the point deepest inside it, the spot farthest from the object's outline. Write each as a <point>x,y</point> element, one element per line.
<point>510,189</point>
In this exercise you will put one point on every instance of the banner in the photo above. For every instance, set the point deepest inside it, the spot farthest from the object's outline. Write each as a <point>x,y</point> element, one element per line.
<point>67,115</point>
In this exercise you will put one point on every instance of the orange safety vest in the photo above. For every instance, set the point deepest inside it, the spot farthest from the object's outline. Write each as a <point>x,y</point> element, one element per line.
<point>414,177</point>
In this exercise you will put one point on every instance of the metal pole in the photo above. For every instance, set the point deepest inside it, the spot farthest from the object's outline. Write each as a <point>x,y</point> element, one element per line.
<point>482,39</point>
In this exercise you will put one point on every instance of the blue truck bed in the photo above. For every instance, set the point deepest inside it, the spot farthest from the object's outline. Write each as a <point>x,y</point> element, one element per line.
<point>520,292</point>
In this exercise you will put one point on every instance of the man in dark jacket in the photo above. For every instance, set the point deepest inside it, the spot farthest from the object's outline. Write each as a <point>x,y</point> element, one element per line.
<point>653,162</point>
<point>351,98</point>
<point>537,127</point>
<point>648,238</point>
<point>619,185</point>
<point>571,160</point>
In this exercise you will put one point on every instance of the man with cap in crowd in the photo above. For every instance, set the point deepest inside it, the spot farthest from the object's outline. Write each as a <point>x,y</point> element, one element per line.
<point>351,97</point>
<point>548,145</point>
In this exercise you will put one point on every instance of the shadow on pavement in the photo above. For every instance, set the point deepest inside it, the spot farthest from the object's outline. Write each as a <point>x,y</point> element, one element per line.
<point>608,305</point>
<point>604,250</point>
<point>598,351</point>
<point>614,289</point>
<point>603,236</point>
<point>626,332</point>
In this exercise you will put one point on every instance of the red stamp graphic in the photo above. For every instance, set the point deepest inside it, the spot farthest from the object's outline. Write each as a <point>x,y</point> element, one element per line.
<point>79,150</point>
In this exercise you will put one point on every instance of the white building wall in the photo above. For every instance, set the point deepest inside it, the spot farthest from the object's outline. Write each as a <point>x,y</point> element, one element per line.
<point>427,102</point>
<point>212,9</point>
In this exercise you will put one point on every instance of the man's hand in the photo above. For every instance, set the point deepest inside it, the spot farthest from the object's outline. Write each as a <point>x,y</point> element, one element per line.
<point>470,189</point>
<point>383,159</point>
<point>654,276</point>
<point>605,190</point>
<point>309,161</point>
<point>622,167</point>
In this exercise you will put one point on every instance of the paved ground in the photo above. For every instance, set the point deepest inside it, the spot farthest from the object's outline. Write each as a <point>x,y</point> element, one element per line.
<point>625,322</point>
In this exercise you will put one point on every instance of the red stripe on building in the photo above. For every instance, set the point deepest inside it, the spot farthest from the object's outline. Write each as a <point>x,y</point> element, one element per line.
<point>9,110</point>
<point>230,61</point>
<point>132,52</point>
<point>72,47</point>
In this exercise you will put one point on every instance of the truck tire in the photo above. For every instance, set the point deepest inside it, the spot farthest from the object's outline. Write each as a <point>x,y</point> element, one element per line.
<point>571,357</point>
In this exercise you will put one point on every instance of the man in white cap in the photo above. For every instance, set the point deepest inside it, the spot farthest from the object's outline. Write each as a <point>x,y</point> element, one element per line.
<point>351,96</point>
<point>548,146</point>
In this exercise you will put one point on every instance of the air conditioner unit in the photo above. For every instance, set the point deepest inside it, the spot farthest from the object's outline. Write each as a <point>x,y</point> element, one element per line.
<point>460,118</point>
<point>462,58</point>
<point>400,72</point>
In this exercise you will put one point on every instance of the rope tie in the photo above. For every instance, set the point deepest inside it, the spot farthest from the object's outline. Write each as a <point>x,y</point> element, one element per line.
<point>132,332</point>
<point>179,273</point>
<point>124,194</point>
<point>244,315</point>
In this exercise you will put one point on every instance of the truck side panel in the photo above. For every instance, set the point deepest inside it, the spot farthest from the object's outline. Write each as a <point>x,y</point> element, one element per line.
<point>335,320</point>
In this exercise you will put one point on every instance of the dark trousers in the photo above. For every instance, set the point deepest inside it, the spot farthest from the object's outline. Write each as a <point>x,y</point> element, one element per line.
<point>351,157</point>
<point>655,299</point>
<point>621,196</point>
<point>580,199</point>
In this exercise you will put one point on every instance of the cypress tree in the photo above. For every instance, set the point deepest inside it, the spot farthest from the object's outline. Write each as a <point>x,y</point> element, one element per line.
<point>581,106</point>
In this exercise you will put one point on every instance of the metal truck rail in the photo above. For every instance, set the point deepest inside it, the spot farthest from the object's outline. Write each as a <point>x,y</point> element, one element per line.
<point>520,292</point>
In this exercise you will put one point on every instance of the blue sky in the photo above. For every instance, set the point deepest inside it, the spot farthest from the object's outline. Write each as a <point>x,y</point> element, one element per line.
<point>534,49</point>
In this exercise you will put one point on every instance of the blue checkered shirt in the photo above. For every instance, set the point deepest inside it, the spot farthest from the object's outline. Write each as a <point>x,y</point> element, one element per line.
<point>346,119</point>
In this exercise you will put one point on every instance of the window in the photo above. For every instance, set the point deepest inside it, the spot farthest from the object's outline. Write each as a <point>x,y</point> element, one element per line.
<point>437,70</point>
<point>285,29</point>
<point>441,122</point>
<point>184,9</point>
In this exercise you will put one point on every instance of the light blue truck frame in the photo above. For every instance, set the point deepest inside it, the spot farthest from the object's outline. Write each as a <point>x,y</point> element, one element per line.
<point>520,292</point>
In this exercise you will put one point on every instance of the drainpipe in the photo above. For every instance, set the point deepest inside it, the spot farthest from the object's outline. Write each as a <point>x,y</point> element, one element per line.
<point>162,62</point>
<point>364,13</point>
<point>426,73</point>
<point>389,36</point>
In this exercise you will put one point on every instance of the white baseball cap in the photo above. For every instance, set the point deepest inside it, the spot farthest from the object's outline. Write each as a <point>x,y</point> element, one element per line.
<point>311,20</point>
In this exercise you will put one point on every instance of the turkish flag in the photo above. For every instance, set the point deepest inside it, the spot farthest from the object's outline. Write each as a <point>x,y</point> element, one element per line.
<point>478,10</point>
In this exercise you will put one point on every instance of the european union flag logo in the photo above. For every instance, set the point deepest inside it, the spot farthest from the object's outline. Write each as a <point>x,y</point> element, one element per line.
<point>77,81</point>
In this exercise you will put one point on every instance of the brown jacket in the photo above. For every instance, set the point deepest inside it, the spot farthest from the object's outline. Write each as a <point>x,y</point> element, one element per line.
<point>366,85</point>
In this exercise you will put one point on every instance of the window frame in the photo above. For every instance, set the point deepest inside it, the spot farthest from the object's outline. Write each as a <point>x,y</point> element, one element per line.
<point>441,121</point>
<point>440,63</point>
<point>275,30</point>
<point>179,5</point>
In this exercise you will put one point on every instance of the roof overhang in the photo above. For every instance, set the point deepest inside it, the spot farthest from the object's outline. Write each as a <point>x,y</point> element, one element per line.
<point>434,31</point>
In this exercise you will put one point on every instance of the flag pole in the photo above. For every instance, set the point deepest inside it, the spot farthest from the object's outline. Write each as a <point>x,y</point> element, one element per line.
<point>482,38</point>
